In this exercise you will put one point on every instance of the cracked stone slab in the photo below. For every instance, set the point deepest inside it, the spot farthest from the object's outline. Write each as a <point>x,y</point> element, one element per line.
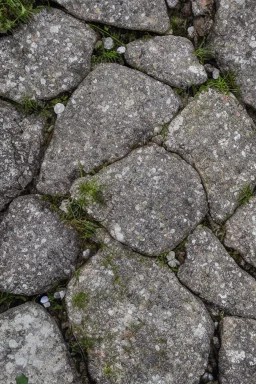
<point>20,149</point>
<point>170,59</point>
<point>49,55</point>
<point>139,324</point>
<point>215,134</point>
<point>32,344</point>
<point>237,353</point>
<point>113,110</point>
<point>133,14</point>
<point>233,39</point>
<point>212,274</point>
<point>36,248</point>
<point>151,200</point>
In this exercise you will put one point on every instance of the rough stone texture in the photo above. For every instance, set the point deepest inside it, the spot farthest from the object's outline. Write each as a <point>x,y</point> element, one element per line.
<point>114,109</point>
<point>210,272</point>
<point>49,55</point>
<point>31,343</point>
<point>233,40</point>
<point>151,200</point>
<point>20,144</point>
<point>36,248</point>
<point>237,353</point>
<point>170,59</point>
<point>139,323</point>
<point>215,134</point>
<point>202,7</point>
<point>133,14</point>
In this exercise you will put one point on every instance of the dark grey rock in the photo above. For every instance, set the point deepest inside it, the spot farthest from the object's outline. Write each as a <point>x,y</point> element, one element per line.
<point>210,272</point>
<point>202,7</point>
<point>36,247</point>
<point>151,200</point>
<point>170,59</point>
<point>49,55</point>
<point>139,324</point>
<point>113,110</point>
<point>216,135</point>
<point>31,343</point>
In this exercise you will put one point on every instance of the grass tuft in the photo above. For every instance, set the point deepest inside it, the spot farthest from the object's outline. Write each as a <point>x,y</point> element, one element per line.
<point>203,54</point>
<point>245,194</point>
<point>225,84</point>
<point>80,300</point>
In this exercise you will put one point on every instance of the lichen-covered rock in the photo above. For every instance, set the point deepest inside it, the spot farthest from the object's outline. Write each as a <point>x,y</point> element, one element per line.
<point>20,146</point>
<point>133,14</point>
<point>151,200</point>
<point>49,55</point>
<point>210,272</point>
<point>170,59</point>
<point>31,344</point>
<point>36,247</point>
<point>137,322</point>
<point>233,39</point>
<point>215,134</point>
<point>114,109</point>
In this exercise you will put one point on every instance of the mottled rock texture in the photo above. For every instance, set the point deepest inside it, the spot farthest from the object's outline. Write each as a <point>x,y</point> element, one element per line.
<point>202,7</point>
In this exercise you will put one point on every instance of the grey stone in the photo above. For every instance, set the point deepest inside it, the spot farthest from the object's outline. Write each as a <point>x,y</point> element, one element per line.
<point>108,43</point>
<point>237,353</point>
<point>31,343</point>
<point>151,200</point>
<point>140,325</point>
<point>216,135</point>
<point>20,146</point>
<point>36,247</point>
<point>49,55</point>
<point>133,14</point>
<point>59,108</point>
<point>170,59</point>
<point>215,73</point>
<point>202,7</point>
<point>113,110</point>
<point>210,272</point>
<point>233,39</point>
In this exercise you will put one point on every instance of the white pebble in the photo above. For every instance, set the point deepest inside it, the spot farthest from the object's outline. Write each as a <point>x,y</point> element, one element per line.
<point>47,305</point>
<point>59,108</point>
<point>215,73</point>
<point>108,43</point>
<point>44,299</point>
<point>121,49</point>
<point>59,295</point>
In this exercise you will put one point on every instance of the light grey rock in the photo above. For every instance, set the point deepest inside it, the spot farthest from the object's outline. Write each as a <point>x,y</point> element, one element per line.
<point>113,110</point>
<point>59,108</point>
<point>140,325</point>
<point>210,272</point>
<point>233,39</point>
<point>49,55</point>
<point>170,59</point>
<point>108,43</point>
<point>31,343</point>
<point>133,14</point>
<point>36,247</point>
<point>20,145</point>
<point>121,50</point>
<point>202,7</point>
<point>215,73</point>
<point>216,135</point>
<point>172,3</point>
<point>151,200</point>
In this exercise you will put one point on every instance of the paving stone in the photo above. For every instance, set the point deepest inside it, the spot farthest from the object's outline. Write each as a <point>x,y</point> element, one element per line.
<point>216,135</point>
<point>49,55</point>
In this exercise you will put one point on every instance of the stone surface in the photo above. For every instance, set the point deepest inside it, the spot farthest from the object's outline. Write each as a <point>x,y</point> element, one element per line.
<point>237,353</point>
<point>151,199</point>
<point>49,55</point>
<point>133,14</point>
<point>113,110</point>
<point>36,248</point>
<point>140,325</point>
<point>215,134</point>
<point>31,343</point>
<point>211,273</point>
<point>233,39</point>
<point>20,146</point>
<point>170,59</point>
<point>202,7</point>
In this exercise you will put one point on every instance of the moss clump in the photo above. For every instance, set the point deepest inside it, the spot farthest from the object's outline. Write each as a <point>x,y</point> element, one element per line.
<point>80,300</point>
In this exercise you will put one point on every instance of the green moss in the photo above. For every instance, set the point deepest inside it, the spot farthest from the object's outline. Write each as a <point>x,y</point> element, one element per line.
<point>164,131</point>
<point>245,194</point>
<point>91,191</point>
<point>203,53</point>
<point>225,84</point>
<point>80,300</point>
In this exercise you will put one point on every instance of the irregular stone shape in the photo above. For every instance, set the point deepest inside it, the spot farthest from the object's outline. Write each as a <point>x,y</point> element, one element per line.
<point>36,247</point>
<point>31,343</point>
<point>233,39</point>
<point>133,14</point>
<point>138,323</point>
<point>114,109</point>
<point>210,272</point>
<point>202,7</point>
<point>49,55</point>
<point>20,146</point>
<point>170,59</point>
<point>237,353</point>
<point>151,200</point>
<point>215,134</point>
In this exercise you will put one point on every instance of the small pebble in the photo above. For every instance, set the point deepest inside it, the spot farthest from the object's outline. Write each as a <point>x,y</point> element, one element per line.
<point>121,50</point>
<point>108,43</point>
<point>59,295</point>
<point>86,254</point>
<point>59,108</point>
<point>47,305</point>
<point>44,299</point>
<point>172,3</point>
<point>64,205</point>
<point>170,256</point>
<point>215,73</point>
<point>191,32</point>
